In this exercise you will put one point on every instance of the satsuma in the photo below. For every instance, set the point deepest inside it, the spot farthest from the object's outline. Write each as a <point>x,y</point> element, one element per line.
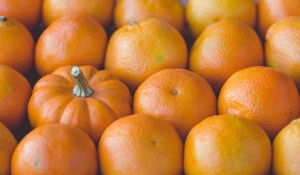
<point>224,48</point>
<point>142,48</point>
<point>140,144</point>
<point>262,94</point>
<point>55,149</point>
<point>282,47</point>
<point>227,144</point>
<point>17,45</point>
<point>72,40</point>
<point>172,11</point>
<point>202,13</point>
<point>271,11</point>
<point>178,96</point>
<point>286,150</point>
<point>100,10</point>
<point>15,92</point>
<point>8,144</point>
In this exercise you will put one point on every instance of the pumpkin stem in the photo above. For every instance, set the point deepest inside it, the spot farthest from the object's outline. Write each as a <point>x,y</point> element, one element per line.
<point>133,23</point>
<point>3,18</point>
<point>81,89</point>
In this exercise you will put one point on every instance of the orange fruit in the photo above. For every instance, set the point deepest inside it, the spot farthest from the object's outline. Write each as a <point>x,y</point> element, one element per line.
<point>15,92</point>
<point>286,150</point>
<point>271,11</point>
<point>202,13</point>
<point>26,13</point>
<point>140,49</point>
<point>72,40</point>
<point>227,144</point>
<point>264,95</point>
<point>282,47</point>
<point>172,11</point>
<point>100,10</point>
<point>8,144</point>
<point>17,45</point>
<point>55,149</point>
<point>224,48</point>
<point>140,144</point>
<point>178,96</point>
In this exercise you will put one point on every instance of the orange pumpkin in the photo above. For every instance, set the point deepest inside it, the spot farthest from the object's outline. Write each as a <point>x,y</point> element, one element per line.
<point>79,96</point>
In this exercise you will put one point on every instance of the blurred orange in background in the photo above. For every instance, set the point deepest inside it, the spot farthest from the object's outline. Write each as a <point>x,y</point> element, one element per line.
<point>286,159</point>
<point>172,11</point>
<point>271,11</point>
<point>202,13</point>
<point>28,13</point>
<point>100,10</point>
<point>282,47</point>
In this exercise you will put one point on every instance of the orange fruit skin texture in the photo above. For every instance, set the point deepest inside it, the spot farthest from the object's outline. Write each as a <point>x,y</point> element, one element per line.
<point>72,40</point>
<point>100,10</point>
<point>55,149</point>
<point>202,13</point>
<point>282,47</point>
<point>286,150</point>
<point>227,144</point>
<point>140,144</point>
<point>138,50</point>
<point>172,11</point>
<point>224,48</point>
<point>178,96</point>
<point>26,13</point>
<point>17,45</point>
<point>271,11</point>
<point>8,144</point>
<point>262,94</point>
<point>15,92</point>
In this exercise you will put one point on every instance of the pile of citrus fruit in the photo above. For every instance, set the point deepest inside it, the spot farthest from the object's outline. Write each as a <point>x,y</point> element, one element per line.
<point>149,87</point>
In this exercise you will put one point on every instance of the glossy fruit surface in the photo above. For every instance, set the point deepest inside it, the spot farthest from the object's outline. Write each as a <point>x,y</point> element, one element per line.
<point>140,144</point>
<point>15,92</point>
<point>17,45</point>
<point>271,11</point>
<point>8,144</point>
<point>72,40</point>
<point>224,48</point>
<point>282,47</point>
<point>142,48</point>
<point>172,11</point>
<point>285,150</point>
<point>262,94</point>
<point>26,13</point>
<point>178,96</point>
<point>55,149</point>
<point>100,10</point>
<point>227,144</point>
<point>202,13</point>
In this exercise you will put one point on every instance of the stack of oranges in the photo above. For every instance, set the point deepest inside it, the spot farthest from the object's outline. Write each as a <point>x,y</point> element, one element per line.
<point>167,86</point>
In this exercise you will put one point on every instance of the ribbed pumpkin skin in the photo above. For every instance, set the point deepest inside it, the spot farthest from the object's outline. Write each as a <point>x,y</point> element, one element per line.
<point>53,101</point>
